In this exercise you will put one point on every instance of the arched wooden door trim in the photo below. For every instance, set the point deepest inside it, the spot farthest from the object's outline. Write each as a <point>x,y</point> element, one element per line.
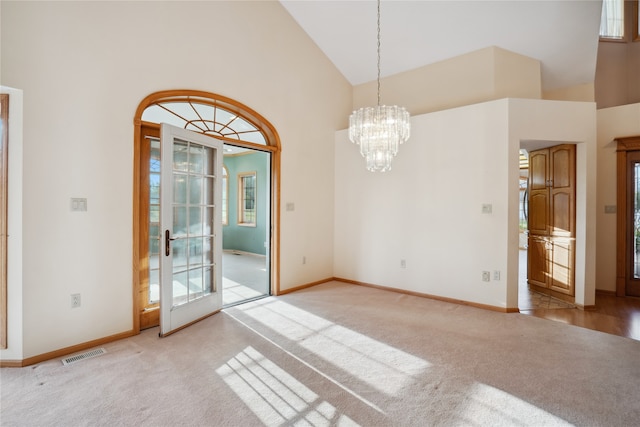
<point>272,146</point>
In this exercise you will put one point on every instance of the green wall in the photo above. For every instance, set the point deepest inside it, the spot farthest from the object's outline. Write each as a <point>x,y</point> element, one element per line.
<point>243,238</point>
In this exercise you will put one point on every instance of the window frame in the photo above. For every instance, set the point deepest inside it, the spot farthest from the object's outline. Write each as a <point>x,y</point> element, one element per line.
<point>635,10</point>
<point>4,215</point>
<point>242,198</point>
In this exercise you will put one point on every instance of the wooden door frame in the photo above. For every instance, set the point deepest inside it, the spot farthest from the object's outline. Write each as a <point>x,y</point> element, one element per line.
<point>273,147</point>
<point>624,146</point>
<point>4,217</point>
<point>552,239</point>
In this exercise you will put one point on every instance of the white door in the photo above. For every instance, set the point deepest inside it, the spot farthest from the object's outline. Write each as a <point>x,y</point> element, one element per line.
<point>191,224</point>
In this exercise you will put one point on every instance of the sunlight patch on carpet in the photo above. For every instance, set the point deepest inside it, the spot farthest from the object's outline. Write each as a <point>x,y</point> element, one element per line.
<point>275,396</point>
<point>381,366</point>
<point>487,405</point>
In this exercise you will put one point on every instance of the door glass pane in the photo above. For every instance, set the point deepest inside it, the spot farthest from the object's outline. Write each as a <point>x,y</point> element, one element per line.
<point>195,190</point>
<point>208,221</point>
<point>180,156</point>
<point>636,221</point>
<point>153,296</point>
<point>179,221</point>
<point>178,247</point>
<point>195,283</point>
<point>195,221</point>
<point>180,287</point>
<point>179,188</point>
<point>207,250</point>
<point>196,158</point>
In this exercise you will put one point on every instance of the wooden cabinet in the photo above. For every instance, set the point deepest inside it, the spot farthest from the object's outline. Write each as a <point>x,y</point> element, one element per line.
<point>551,251</point>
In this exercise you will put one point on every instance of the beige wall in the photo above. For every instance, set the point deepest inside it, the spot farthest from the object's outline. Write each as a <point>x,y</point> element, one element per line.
<point>479,76</point>
<point>612,123</point>
<point>581,93</point>
<point>428,209</point>
<point>84,67</point>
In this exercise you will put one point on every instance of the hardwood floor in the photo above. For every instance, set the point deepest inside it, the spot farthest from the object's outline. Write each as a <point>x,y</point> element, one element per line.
<point>612,315</point>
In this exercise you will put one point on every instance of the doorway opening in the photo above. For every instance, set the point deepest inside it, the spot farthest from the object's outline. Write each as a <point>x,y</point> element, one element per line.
<point>250,143</point>
<point>547,183</point>
<point>246,198</point>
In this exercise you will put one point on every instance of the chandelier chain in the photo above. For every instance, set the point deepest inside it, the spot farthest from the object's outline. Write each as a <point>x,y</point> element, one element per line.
<point>379,130</point>
<point>378,52</point>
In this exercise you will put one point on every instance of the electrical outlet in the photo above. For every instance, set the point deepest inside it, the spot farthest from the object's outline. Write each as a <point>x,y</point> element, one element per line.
<point>304,260</point>
<point>403,263</point>
<point>496,275</point>
<point>486,276</point>
<point>78,204</point>
<point>75,300</point>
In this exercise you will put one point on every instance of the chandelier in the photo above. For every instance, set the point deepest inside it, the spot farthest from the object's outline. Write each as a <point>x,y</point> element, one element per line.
<point>379,130</point>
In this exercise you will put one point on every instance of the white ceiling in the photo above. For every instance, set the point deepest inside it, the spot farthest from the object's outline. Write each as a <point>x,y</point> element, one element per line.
<point>562,34</point>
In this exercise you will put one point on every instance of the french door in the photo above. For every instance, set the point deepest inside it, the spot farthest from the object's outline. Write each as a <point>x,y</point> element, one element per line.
<point>191,227</point>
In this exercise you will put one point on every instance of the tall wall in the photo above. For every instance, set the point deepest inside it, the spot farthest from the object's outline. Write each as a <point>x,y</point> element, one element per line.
<point>483,75</point>
<point>84,67</point>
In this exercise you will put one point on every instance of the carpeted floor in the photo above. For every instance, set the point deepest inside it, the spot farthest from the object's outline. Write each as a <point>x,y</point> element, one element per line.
<point>339,354</point>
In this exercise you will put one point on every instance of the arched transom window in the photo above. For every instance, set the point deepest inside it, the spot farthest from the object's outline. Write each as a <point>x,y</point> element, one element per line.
<point>215,117</point>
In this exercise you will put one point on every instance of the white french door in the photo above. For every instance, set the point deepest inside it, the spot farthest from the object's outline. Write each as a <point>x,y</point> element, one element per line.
<point>191,226</point>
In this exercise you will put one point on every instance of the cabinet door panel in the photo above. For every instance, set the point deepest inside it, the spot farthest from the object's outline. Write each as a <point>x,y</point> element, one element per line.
<point>538,208</point>
<point>561,256</point>
<point>538,174</point>
<point>561,214</point>
<point>537,262</point>
<point>561,169</point>
<point>562,199</point>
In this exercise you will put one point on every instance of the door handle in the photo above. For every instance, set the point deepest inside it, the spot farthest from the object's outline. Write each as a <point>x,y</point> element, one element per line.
<point>167,242</point>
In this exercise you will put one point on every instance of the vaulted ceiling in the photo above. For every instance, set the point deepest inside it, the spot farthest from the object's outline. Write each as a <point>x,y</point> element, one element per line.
<point>561,34</point>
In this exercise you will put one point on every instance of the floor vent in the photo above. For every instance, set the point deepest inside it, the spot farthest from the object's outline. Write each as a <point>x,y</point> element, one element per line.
<point>88,355</point>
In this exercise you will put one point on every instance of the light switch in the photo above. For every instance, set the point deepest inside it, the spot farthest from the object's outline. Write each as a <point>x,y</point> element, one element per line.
<point>291,207</point>
<point>78,204</point>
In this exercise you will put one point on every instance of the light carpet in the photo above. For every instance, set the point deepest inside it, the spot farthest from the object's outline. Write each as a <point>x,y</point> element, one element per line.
<point>338,354</point>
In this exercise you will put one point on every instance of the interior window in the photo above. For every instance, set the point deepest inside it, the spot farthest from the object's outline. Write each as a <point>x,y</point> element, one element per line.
<point>612,20</point>
<point>247,198</point>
